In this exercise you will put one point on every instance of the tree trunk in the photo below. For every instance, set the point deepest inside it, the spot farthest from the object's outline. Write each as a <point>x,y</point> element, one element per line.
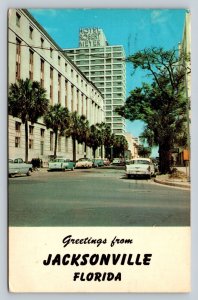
<point>164,159</point>
<point>94,153</point>
<point>85,149</point>
<point>26,141</point>
<point>74,149</point>
<point>101,151</point>
<point>55,146</point>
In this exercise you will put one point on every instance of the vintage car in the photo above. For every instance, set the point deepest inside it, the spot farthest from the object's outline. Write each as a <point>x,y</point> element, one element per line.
<point>140,167</point>
<point>84,163</point>
<point>106,162</point>
<point>97,162</point>
<point>61,164</point>
<point>18,167</point>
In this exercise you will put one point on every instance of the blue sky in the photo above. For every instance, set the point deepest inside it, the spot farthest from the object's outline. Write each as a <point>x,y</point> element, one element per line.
<point>135,29</point>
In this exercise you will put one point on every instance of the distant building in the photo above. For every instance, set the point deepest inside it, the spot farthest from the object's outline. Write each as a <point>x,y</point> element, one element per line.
<point>132,146</point>
<point>105,66</point>
<point>33,54</point>
<point>185,47</point>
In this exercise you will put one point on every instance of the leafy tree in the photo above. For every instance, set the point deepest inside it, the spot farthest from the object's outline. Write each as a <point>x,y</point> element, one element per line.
<point>58,119</point>
<point>120,146</point>
<point>27,101</point>
<point>160,103</point>
<point>144,151</point>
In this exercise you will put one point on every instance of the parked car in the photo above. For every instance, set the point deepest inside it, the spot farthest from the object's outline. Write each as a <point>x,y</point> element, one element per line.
<point>140,167</point>
<point>61,164</point>
<point>18,167</point>
<point>106,162</point>
<point>116,161</point>
<point>84,163</point>
<point>97,162</point>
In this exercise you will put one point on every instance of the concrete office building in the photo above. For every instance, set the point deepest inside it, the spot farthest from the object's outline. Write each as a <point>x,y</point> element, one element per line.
<point>105,66</point>
<point>33,54</point>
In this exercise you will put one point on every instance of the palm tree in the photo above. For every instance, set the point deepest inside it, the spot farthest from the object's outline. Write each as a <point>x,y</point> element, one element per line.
<point>84,132</point>
<point>27,101</point>
<point>105,135</point>
<point>94,140</point>
<point>78,130</point>
<point>58,119</point>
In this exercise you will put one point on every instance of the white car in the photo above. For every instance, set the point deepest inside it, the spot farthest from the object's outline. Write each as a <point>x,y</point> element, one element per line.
<point>19,167</point>
<point>84,163</point>
<point>61,164</point>
<point>140,167</point>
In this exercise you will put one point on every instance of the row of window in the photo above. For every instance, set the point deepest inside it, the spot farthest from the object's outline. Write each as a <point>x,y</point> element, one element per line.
<point>51,145</point>
<point>42,77</point>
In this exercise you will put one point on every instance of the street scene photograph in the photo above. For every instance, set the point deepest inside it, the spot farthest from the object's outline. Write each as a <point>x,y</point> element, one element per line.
<point>99,117</point>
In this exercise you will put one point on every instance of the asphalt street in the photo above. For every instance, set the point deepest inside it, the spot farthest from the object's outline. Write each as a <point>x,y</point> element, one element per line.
<point>94,197</point>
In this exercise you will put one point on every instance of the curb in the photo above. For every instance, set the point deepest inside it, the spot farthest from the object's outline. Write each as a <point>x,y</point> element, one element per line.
<point>172,184</point>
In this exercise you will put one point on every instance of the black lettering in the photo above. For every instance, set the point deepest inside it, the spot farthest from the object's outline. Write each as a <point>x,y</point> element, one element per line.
<point>118,277</point>
<point>56,260</point>
<point>84,259</point>
<point>138,262</point>
<point>147,259</point>
<point>94,259</point>
<point>75,259</point>
<point>66,240</point>
<point>64,261</point>
<point>47,261</point>
<point>76,275</point>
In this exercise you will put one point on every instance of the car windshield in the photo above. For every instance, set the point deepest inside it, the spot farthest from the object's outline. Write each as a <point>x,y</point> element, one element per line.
<point>83,159</point>
<point>58,160</point>
<point>141,162</point>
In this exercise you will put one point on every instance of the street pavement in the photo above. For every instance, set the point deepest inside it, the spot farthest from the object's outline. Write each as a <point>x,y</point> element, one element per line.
<point>95,197</point>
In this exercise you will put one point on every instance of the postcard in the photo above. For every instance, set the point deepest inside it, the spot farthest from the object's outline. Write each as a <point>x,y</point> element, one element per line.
<point>99,150</point>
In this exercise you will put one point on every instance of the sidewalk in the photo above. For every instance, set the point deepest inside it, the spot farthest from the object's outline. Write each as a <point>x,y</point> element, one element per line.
<point>177,181</point>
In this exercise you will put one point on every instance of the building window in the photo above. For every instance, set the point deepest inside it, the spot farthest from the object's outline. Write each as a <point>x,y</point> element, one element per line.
<point>30,32</point>
<point>31,63</point>
<point>18,59</point>
<point>42,147</point>
<point>65,67</point>
<point>72,73</point>
<point>59,88</point>
<point>42,42</point>
<point>51,141</point>
<point>72,98</point>
<point>31,129</point>
<point>51,85</point>
<point>59,60</point>
<point>42,133</point>
<point>42,73</point>
<point>17,126</point>
<point>51,52</point>
<point>18,19</point>
<point>66,83</point>
<point>17,142</point>
<point>77,78</point>
<point>31,143</point>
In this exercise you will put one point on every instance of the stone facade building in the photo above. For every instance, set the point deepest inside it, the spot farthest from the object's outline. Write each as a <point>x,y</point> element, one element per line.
<point>33,54</point>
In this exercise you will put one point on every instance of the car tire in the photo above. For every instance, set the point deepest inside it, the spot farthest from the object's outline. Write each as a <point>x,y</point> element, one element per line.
<point>28,173</point>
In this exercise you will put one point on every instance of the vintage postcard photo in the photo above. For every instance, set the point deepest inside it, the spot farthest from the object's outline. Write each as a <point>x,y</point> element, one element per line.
<point>99,139</point>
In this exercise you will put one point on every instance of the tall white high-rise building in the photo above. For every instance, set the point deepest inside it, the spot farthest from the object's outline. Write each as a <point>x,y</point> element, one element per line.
<point>104,65</point>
